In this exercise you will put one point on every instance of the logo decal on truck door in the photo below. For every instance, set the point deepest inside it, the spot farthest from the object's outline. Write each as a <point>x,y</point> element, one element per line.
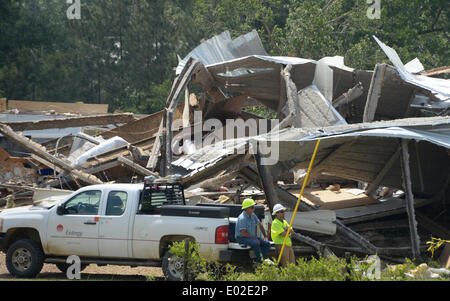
<point>59,228</point>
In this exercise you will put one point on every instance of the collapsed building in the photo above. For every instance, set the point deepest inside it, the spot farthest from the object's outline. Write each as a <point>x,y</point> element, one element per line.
<point>383,155</point>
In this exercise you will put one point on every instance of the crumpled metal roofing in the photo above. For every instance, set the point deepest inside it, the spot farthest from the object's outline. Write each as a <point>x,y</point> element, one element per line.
<point>438,86</point>
<point>437,127</point>
<point>222,48</point>
<point>360,151</point>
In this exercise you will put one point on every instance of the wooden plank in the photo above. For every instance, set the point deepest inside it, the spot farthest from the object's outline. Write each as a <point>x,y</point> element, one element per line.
<point>46,163</point>
<point>267,182</point>
<point>59,107</point>
<point>72,122</point>
<point>136,167</point>
<point>153,160</point>
<point>372,209</point>
<point>374,93</point>
<point>355,237</point>
<point>368,217</point>
<point>180,85</point>
<point>432,226</point>
<point>376,182</point>
<point>407,187</point>
<point>283,96</point>
<point>209,172</point>
<point>321,248</point>
<point>3,104</point>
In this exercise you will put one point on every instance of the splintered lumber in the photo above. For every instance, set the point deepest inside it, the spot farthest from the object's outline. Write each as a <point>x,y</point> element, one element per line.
<point>374,93</point>
<point>2,104</point>
<point>267,182</point>
<point>42,152</point>
<point>202,76</point>
<point>153,159</point>
<point>407,186</point>
<point>59,107</point>
<point>436,71</point>
<point>136,167</point>
<point>179,86</point>
<point>349,96</point>
<point>355,238</point>
<point>321,248</point>
<point>215,183</point>
<point>72,122</point>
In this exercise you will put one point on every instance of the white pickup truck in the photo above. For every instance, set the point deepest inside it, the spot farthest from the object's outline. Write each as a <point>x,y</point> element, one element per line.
<point>119,224</point>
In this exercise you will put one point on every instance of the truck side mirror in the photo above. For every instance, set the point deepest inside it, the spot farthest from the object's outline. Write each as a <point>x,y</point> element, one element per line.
<point>60,209</point>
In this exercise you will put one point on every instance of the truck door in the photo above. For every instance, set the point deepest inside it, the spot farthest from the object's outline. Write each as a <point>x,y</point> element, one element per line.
<point>75,231</point>
<point>115,224</point>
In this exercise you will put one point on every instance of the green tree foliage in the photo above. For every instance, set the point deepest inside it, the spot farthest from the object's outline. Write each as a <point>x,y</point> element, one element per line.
<point>123,53</point>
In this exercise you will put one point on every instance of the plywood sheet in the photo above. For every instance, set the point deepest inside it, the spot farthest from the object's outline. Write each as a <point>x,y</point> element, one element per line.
<point>332,200</point>
<point>59,107</point>
<point>2,104</point>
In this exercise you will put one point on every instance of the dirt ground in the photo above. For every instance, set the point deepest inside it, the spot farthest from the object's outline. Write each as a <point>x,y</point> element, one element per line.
<point>92,272</point>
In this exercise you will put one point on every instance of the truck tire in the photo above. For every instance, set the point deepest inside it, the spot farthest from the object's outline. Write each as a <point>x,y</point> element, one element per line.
<point>25,258</point>
<point>172,267</point>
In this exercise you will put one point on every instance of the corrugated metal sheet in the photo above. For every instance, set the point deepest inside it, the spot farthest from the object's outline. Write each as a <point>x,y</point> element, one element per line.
<point>222,48</point>
<point>439,87</point>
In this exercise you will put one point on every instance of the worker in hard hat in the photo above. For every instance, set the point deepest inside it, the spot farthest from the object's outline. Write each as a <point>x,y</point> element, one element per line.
<point>278,232</point>
<point>245,231</point>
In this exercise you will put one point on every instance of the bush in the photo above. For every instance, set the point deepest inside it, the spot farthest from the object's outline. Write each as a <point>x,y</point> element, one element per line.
<point>313,269</point>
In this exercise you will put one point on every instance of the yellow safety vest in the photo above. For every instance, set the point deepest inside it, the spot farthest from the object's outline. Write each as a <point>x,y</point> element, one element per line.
<point>276,230</point>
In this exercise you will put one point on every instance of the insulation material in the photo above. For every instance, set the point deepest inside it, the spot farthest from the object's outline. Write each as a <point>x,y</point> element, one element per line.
<point>313,110</point>
<point>105,146</point>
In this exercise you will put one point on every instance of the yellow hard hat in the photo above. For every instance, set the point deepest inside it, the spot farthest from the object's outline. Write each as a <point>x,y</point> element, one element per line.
<point>248,203</point>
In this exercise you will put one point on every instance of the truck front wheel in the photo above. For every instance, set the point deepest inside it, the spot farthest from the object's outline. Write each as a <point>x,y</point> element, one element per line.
<point>25,258</point>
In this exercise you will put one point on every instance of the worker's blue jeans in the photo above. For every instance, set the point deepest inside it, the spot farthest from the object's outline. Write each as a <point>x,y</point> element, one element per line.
<point>260,248</point>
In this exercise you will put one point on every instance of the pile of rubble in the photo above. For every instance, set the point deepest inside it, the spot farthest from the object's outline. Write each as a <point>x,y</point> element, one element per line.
<point>379,183</point>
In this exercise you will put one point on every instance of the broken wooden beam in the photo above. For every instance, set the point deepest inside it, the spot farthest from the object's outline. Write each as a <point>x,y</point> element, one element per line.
<point>321,248</point>
<point>156,149</point>
<point>374,93</point>
<point>267,182</point>
<point>42,152</point>
<point>212,171</point>
<point>179,86</point>
<point>380,176</point>
<point>436,229</point>
<point>349,96</point>
<point>215,183</point>
<point>60,123</point>
<point>204,77</point>
<point>407,187</point>
<point>142,170</point>
<point>355,238</point>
